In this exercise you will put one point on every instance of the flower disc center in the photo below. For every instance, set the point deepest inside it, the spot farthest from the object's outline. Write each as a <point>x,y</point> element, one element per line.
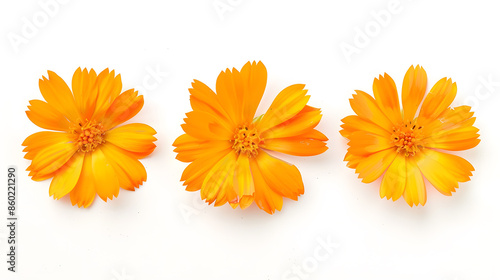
<point>407,137</point>
<point>89,135</point>
<point>246,140</point>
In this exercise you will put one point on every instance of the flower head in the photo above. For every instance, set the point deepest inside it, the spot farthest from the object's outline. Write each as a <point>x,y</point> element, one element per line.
<point>87,153</point>
<point>407,144</point>
<point>227,147</point>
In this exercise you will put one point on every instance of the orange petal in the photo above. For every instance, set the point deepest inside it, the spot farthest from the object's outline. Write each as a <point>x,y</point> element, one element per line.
<point>58,148</point>
<point>363,143</point>
<point>57,93</point>
<point>129,171</point>
<point>353,160</point>
<point>67,176</point>
<point>365,106</point>
<point>107,185</point>
<point>372,167</point>
<point>230,91</point>
<point>46,116</point>
<point>453,131</point>
<point>301,123</point>
<point>254,77</point>
<point>243,182</point>
<point>297,146</point>
<point>136,137</point>
<point>85,89</point>
<point>354,123</point>
<point>386,97</point>
<point>124,107</point>
<point>282,177</point>
<point>206,127</point>
<point>288,103</point>
<point>83,193</point>
<point>437,101</point>
<point>204,99</point>
<point>443,170</point>
<point>265,198</point>
<point>394,181</point>
<point>195,173</point>
<point>414,86</point>
<point>109,88</point>
<point>189,148</point>
<point>218,185</point>
<point>415,192</point>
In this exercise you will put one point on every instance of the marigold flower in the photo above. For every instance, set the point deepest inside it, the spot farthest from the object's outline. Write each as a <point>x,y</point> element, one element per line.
<point>226,146</point>
<point>88,154</point>
<point>408,146</point>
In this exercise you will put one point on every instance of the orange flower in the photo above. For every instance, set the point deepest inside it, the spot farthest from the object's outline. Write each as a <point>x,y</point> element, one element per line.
<point>89,154</point>
<point>227,146</point>
<point>407,146</point>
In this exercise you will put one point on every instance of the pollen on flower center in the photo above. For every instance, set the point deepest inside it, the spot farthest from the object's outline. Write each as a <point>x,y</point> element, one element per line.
<point>88,135</point>
<point>246,140</point>
<point>407,137</point>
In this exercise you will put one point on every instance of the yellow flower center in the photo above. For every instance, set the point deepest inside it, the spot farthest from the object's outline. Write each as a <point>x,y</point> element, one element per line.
<point>246,140</point>
<point>407,137</point>
<point>89,135</point>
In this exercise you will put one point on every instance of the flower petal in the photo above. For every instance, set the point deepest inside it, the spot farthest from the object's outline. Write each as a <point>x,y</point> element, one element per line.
<point>45,116</point>
<point>129,170</point>
<point>67,176</point>
<point>254,77</point>
<point>414,86</point>
<point>195,173</point>
<point>243,182</point>
<point>57,93</point>
<point>288,103</point>
<point>443,170</point>
<point>48,151</point>
<point>265,198</point>
<point>454,130</point>
<point>136,137</point>
<point>437,101</point>
<point>394,181</point>
<point>85,89</point>
<point>301,123</point>
<point>218,185</point>
<point>365,107</point>
<point>204,99</point>
<point>189,148</point>
<point>107,185</point>
<point>386,97</point>
<point>282,177</point>
<point>123,108</point>
<point>83,193</point>
<point>297,146</point>
<point>206,127</point>
<point>415,192</point>
<point>373,166</point>
<point>109,88</point>
<point>354,123</point>
<point>363,143</point>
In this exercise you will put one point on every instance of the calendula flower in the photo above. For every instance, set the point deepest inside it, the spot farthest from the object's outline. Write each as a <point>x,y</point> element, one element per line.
<point>88,152</point>
<point>227,146</point>
<point>408,146</point>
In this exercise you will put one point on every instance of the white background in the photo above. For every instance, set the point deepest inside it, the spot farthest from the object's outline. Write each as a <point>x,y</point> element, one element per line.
<point>148,234</point>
